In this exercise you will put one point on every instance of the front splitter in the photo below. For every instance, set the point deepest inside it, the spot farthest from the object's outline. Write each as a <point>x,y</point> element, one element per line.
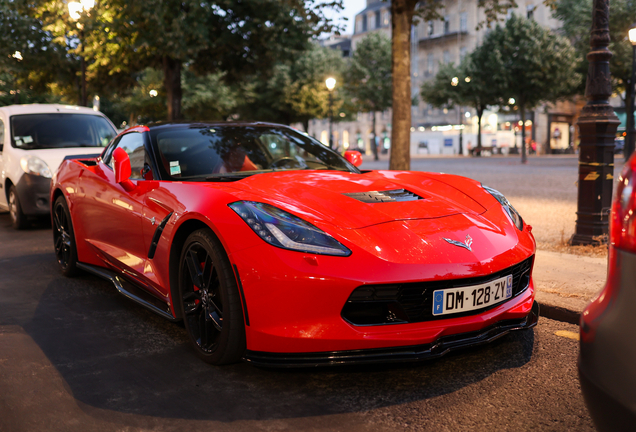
<point>429,351</point>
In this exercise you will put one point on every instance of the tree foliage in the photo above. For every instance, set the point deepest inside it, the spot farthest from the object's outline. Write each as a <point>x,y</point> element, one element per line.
<point>469,84</point>
<point>537,65</point>
<point>30,61</point>
<point>576,16</point>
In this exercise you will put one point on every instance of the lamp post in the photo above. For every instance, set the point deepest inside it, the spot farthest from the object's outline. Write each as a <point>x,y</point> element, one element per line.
<point>75,10</point>
<point>631,132</point>
<point>597,125</point>
<point>331,84</point>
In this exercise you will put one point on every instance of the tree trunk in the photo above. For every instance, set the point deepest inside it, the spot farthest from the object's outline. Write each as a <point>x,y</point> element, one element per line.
<point>306,126</point>
<point>374,144</point>
<point>524,158</point>
<point>172,84</point>
<point>401,21</point>
<point>480,113</point>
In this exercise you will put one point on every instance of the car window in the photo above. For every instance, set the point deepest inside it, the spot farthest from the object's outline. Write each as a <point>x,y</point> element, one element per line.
<point>208,152</point>
<point>60,130</point>
<point>133,144</point>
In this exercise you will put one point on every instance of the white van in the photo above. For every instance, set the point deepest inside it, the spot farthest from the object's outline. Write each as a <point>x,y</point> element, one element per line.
<point>34,140</point>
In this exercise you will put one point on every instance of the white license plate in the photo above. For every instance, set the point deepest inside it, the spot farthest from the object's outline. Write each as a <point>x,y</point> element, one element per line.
<point>454,300</point>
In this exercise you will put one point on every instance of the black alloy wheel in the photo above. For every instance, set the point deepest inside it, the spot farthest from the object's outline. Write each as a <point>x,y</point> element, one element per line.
<point>210,303</point>
<point>18,218</point>
<point>64,238</point>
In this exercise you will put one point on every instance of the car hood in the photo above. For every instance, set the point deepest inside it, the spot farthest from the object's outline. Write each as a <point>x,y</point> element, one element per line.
<point>351,200</point>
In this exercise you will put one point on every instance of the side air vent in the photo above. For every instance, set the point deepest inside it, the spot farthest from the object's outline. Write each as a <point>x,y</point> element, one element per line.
<point>384,196</point>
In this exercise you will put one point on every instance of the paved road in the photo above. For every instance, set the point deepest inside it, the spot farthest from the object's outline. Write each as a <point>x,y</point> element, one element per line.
<point>75,356</point>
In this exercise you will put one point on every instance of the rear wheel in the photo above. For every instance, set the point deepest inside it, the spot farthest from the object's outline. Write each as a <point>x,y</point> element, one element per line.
<point>18,219</point>
<point>64,238</point>
<point>210,302</point>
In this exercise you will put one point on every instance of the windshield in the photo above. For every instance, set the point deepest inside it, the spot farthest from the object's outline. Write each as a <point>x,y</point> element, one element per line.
<point>56,130</point>
<point>219,153</point>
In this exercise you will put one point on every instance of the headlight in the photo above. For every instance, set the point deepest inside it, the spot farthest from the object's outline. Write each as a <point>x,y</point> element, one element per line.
<point>36,166</point>
<point>514,214</point>
<point>284,230</point>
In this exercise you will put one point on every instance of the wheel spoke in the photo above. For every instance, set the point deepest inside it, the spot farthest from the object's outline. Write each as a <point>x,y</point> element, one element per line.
<point>208,271</point>
<point>56,219</point>
<point>194,268</point>
<point>204,330</point>
<point>216,319</point>
<point>58,245</point>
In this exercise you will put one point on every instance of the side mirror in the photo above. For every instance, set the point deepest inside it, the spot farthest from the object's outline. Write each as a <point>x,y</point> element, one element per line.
<point>354,157</point>
<point>122,169</point>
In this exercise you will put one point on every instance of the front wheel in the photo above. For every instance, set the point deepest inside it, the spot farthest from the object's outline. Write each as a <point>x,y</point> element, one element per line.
<point>210,302</point>
<point>18,218</point>
<point>64,238</point>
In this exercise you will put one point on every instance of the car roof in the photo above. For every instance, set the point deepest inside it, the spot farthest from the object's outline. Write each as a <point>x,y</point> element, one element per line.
<point>159,125</point>
<point>47,108</point>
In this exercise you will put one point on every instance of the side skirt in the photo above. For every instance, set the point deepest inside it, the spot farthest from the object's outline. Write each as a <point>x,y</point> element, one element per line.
<point>139,296</point>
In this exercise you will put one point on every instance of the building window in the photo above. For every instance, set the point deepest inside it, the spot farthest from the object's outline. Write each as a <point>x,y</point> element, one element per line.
<point>364,23</point>
<point>462,53</point>
<point>431,28</point>
<point>430,64</point>
<point>463,22</point>
<point>446,56</point>
<point>385,20</point>
<point>530,11</point>
<point>378,23</point>
<point>446,24</point>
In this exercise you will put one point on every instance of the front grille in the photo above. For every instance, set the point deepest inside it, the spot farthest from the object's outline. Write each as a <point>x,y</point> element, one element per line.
<point>396,195</point>
<point>413,302</point>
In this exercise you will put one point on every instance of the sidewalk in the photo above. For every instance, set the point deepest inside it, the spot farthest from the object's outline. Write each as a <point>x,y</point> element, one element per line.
<point>565,283</point>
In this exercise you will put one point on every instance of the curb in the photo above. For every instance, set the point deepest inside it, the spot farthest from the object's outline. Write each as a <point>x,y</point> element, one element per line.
<point>558,313</point>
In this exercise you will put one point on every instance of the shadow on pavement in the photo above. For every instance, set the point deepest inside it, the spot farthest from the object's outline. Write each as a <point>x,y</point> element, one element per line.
<point>114,355</point>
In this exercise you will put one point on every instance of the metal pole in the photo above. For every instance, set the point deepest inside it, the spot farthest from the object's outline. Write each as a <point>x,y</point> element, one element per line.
<point>461,130</point>
<point>631,132</point>
<point>331,120</point>
<point>83,100</point>
<point>597,125</point>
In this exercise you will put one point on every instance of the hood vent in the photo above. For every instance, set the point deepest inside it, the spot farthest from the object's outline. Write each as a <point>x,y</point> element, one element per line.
<point>396,195</point>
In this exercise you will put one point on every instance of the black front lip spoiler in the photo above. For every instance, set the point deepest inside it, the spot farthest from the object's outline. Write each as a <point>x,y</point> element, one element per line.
<point>433,350</point>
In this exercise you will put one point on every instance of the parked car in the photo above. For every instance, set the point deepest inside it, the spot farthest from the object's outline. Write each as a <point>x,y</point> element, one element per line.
<point>608,323</point>
<point>275,249</point>
<point>34,139</point>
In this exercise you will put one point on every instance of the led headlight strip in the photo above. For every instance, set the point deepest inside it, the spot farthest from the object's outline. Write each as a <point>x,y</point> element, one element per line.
<point>510,210</point>
<point>284,230</point>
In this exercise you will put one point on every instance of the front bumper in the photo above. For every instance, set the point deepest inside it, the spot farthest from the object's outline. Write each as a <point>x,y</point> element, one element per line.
<point>436,349</point>
<point>34,194</point>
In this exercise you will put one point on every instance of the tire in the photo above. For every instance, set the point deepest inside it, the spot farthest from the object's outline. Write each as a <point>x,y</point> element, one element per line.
<point>64,238</point>
<point>210,302</point>
<point>18,218</point>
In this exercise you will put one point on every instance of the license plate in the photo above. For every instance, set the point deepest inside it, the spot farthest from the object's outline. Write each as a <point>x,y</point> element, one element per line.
<point>454,300</point>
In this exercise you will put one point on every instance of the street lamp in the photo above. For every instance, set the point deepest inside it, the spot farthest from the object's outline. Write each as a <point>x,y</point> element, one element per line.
<point>631,132</point>
<point>75,10</point>
<point>331,84</point>
<point>597,132</point>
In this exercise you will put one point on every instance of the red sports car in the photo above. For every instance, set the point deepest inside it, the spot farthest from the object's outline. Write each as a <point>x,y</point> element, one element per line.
<point>274,249</point>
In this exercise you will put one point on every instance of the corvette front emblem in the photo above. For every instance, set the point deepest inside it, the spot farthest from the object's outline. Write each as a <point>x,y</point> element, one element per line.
<point>465,245</point>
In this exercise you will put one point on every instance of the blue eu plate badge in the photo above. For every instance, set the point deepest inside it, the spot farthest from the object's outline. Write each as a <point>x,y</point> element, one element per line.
<point>438,302</point>
<point>509,287</point>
